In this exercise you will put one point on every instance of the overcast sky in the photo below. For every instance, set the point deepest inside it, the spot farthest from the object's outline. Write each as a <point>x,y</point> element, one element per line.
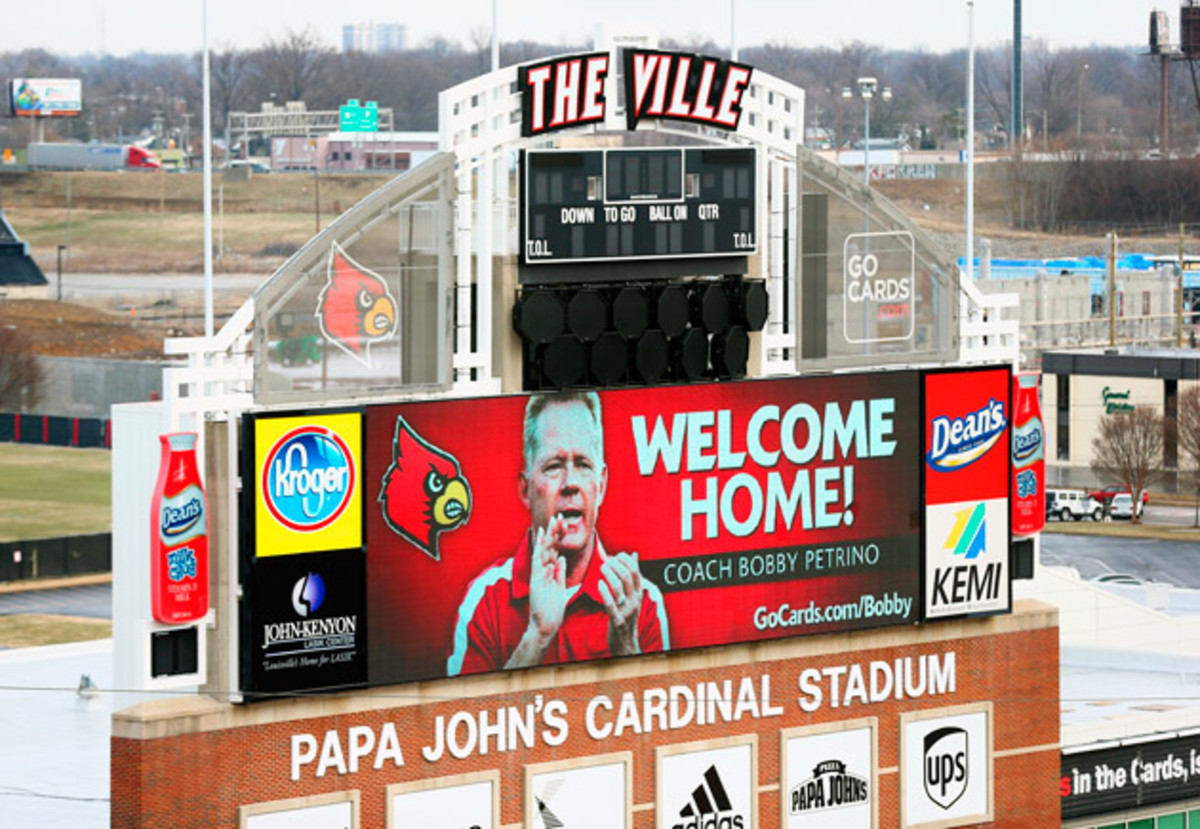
<point>78,26</point>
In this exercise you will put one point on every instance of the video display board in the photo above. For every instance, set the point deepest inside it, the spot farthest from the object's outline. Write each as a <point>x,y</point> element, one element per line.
<point>749,511</point>
<point>412,541</point>
<point>610,205</point>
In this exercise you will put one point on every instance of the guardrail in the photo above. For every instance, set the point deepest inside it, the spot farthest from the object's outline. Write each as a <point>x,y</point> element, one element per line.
<point>42,558</point>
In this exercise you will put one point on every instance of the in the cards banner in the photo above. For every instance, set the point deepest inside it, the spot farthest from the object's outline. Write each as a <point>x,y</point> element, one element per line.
<point>756,510</point>
<point>967,473</point>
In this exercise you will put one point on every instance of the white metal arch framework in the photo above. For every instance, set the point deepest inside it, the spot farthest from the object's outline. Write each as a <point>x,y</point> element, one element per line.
<point>480,123</point>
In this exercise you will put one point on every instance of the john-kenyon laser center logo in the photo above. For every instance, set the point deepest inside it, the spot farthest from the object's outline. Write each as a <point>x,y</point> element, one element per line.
<point>311,640</point>
<point>832,786</point>
<point>709,806</point>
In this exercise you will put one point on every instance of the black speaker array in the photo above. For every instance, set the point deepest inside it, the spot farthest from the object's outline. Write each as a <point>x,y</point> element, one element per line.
<point>638,333</point>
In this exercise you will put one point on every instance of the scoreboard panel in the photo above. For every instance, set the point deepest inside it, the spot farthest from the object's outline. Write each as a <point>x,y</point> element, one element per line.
<point>610,205</point>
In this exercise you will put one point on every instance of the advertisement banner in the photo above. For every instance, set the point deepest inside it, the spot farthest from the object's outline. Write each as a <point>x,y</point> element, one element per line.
<point>307,483</point>
<point>829,779</point>
<point>471,805</point>
<point>178,535</point>
<point>707,787</point>
<point>967,475</point>
<point>1130,776</point>
<point>946,769</point>
<point>1028,457</point>
<point>595,796</point>
<point>638,520</point>
<point>45,97</point>
<point>307,627</point>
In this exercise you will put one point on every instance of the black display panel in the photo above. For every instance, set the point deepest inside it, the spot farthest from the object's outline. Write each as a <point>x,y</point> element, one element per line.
<point>306,622</point>
<point>626,204</point>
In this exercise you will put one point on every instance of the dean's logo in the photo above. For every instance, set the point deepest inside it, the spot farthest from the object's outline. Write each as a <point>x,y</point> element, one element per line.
<point>355,308</point>
<point>946,772</point>
<point>832,786</point>
<point>960,441</point>
<point>424,492</point>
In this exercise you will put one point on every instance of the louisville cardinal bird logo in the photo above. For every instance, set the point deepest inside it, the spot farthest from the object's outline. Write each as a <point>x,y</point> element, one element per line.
<point>424,492</point>
<point>355,307</point>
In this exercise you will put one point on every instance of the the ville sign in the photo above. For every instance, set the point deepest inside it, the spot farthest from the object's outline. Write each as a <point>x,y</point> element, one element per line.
<point>569,91</point>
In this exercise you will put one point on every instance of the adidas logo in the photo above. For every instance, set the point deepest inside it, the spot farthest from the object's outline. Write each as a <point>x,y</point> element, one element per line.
<point>709,807</point>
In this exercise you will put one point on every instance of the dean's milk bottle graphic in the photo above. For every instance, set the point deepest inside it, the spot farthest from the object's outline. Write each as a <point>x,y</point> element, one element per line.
<point>1028,457</point>
<point>179,535</point>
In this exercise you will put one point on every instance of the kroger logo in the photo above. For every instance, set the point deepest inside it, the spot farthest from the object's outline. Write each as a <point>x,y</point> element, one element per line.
<point>308,478</point>
<point>960,441</point>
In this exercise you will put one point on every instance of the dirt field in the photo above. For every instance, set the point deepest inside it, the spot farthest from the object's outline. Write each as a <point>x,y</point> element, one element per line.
<point>151,223</point>
<point>64,329</point>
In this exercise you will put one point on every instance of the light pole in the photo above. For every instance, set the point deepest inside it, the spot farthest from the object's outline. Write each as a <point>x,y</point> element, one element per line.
<point>1079,106</point>
<point>866,90</point>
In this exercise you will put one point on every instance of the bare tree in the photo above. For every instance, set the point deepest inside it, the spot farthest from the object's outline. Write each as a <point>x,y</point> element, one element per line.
<point>1187,431</point>
<point>1128,449</point>
<point>20,373</point>
<point>293,68</point>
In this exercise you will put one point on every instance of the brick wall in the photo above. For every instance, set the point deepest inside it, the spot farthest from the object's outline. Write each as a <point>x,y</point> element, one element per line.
<point>192,763</point>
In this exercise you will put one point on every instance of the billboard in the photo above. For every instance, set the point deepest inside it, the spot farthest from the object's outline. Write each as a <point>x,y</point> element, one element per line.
<point>697,515</point>
<point>967,473</point>
<point>45,97</point>
<point>1130,776</point>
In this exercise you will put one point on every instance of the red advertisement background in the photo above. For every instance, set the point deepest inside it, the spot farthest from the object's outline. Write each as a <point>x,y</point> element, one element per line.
<point>955,394</point>
<point>413,598</point>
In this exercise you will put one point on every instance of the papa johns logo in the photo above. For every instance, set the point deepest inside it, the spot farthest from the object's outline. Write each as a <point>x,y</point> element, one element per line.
<point>832,786</point>
<point>308,478</point>
<point>960,441</point>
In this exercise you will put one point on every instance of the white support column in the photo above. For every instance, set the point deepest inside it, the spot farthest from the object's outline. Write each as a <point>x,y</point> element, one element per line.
<point>483,256</point>
<point>774,261</point>
<point>463,356</point>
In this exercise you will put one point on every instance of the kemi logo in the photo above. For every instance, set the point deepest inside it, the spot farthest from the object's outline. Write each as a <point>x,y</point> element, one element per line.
<point>968,538</point>
<point>709,806</point>
<point>960,441</point>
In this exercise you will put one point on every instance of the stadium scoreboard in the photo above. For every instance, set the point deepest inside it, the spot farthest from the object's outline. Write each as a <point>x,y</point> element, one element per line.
<point>609,205</point>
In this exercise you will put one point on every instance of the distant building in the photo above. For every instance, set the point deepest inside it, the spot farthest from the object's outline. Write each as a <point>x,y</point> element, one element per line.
<point>373,37</point>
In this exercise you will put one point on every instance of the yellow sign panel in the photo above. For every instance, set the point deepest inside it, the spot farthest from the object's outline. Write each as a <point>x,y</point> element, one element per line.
<point>308,473</point>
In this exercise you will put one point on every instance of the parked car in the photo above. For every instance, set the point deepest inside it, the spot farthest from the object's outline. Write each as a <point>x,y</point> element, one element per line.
<point>1106,494</point>
<point>1073,504</point>
<point>1122,506</point>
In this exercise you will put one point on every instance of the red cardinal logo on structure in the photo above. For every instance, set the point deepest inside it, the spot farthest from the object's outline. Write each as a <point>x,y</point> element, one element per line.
<point>424,492</point>
<point>355,308</point>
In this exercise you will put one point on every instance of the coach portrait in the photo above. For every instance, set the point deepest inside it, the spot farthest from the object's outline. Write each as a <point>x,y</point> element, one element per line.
<point>562,597</point>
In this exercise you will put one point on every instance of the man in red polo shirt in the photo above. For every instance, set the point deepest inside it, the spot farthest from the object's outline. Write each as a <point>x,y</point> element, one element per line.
<point>561,597</point>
